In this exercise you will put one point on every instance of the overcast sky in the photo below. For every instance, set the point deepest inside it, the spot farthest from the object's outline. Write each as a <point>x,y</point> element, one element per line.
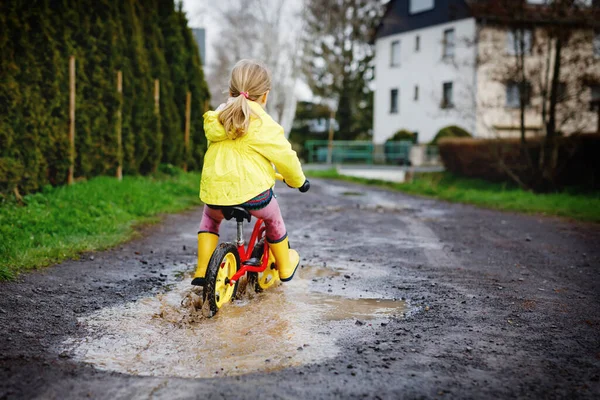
<point>201,15</point>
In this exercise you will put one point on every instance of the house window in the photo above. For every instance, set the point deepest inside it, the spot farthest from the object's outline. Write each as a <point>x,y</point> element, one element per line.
<point>597,43</point>
<point>449,43</point>
<point>447,96</point>
<point>417,43</point>
<point>417,6</point>
<point>595,97</point>
<point>394,101</point>
<point>395,55</point>
<point>512,94</point>
<point>513,42</point>
<point>416,93</point>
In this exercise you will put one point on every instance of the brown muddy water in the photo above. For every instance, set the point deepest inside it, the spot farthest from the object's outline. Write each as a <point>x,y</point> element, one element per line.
<point>168,335</point>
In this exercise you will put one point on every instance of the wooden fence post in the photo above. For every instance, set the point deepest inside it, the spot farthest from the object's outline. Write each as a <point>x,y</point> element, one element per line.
<point>71,120</point>
<point>186,139</point>
<point>119,126</point>
<point>156,96</point>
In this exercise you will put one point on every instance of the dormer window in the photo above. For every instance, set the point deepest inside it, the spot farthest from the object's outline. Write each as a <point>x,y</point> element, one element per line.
<point>417,6</point>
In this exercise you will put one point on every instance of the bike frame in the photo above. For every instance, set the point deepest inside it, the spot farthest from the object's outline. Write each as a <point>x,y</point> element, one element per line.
<point>246,252</point>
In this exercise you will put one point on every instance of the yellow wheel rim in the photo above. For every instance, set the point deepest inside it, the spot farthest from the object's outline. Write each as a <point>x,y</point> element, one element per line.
<point>269,276</point>
<point>224,290</point>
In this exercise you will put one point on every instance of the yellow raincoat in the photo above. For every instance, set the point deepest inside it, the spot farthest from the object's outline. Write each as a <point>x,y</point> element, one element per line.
<point>237,170</point>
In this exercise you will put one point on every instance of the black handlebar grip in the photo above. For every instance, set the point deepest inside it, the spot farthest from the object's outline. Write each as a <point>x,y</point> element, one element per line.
<point>305,186</point>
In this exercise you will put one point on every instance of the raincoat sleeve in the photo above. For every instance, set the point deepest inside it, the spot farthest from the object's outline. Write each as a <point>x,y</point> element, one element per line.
<point>213,129</point>
<point>271,143</point>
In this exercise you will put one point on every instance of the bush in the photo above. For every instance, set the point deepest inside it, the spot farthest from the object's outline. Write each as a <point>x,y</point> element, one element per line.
<point>170,170</point>
<point>503,160</point>
<point>402,135</point>
<point>397,148</point>
<point>10,173</point>
<point>450,131</point>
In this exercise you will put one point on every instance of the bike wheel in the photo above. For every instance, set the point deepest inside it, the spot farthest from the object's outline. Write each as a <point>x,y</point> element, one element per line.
<point>267,278</point>
<point>223,264</point>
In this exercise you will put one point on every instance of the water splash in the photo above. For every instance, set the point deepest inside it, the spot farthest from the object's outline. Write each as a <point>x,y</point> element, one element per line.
<point>169,334</point>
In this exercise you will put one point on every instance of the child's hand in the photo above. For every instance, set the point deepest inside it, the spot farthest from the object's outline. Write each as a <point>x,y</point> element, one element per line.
<point>304,188</point>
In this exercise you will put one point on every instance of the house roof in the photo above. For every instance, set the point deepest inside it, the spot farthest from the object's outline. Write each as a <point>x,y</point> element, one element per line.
<point>507,12</point>
<point>398,19</point>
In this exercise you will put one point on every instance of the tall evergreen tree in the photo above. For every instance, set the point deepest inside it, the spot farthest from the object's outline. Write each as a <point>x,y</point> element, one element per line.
<point>146,40</point>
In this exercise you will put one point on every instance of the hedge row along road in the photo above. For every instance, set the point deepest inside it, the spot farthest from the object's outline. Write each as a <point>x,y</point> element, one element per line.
<point>148,41</point>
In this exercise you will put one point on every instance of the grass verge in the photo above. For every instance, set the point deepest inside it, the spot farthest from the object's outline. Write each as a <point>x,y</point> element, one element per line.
<point>60,223</point>
<point>449,187</point>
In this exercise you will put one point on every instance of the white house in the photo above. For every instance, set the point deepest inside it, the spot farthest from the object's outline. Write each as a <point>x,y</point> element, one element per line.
<point>429,72</point>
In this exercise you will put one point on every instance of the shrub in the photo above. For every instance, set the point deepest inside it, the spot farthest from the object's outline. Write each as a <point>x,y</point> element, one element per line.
<point>170,170</point>
<point>450,131</point>
<point>504,160</point>
<point>402,135</point>
<point>10,173</point>
<point>397,148</point>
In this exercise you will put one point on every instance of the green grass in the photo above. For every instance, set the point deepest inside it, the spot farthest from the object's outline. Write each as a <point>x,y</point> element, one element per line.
<point>449,187</point>
<point>60,223</point>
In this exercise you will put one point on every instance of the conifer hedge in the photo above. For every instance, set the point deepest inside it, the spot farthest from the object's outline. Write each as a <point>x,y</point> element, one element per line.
<point>146,39</point>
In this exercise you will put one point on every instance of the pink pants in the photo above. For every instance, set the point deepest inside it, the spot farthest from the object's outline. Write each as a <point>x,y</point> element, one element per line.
<point>271,214</point>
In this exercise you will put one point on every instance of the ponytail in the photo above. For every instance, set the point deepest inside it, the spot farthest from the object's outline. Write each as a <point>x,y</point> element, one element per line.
<point>235,117</point>
<point>249,81</point>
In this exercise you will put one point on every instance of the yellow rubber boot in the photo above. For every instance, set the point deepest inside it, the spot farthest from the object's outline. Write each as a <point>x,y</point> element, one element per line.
<point>286,259</point>
<point>207,243</point>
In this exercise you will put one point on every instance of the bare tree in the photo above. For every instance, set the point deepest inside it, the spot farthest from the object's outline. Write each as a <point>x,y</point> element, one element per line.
<point>266,30</point>
<point>551,66</point>
<point>338,55</point>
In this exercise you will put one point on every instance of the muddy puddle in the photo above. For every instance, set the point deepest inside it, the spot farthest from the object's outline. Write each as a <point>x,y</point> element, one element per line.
<point>168,335</point>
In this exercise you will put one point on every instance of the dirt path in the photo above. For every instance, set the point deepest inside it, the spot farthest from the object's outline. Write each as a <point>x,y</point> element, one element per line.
<point>497,305</point>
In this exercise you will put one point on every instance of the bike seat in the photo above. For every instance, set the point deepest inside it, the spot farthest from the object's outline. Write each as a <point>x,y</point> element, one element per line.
<point>239,213</point>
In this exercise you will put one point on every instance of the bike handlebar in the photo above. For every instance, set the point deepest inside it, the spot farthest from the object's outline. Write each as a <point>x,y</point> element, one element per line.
<point>303,189</point>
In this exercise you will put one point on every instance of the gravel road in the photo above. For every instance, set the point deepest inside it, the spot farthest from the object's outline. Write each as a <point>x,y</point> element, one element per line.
<point>397,297</point>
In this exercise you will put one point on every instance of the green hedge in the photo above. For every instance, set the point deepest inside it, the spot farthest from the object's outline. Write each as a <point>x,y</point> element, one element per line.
<point>403,134</point>
<point>146,39</point>
<point>504,159</point>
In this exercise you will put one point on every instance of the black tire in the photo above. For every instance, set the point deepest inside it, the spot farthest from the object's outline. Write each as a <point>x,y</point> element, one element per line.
<point>209,293</point>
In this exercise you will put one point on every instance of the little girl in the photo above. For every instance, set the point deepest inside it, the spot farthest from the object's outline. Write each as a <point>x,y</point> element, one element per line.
<point>243,145</point>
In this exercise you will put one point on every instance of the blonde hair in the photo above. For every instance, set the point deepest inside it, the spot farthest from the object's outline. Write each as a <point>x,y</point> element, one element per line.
<point>254,80</point>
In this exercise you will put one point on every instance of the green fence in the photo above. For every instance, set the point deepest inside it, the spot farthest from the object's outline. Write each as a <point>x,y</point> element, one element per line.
<point>358,151</point>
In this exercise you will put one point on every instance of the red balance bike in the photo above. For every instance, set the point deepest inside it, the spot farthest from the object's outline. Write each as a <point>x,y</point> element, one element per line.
<point>231,261</point>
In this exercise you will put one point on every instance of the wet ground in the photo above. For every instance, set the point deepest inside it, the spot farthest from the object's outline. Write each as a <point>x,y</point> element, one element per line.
<point>397,297</point>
